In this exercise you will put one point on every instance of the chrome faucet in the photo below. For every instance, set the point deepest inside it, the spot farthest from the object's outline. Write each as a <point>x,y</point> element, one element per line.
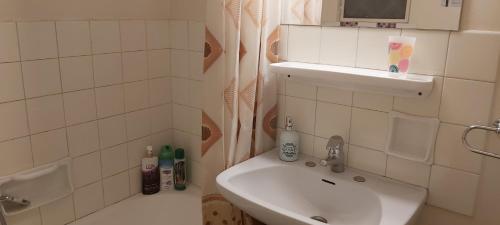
<point>335,159</point>
<point>11,201</point>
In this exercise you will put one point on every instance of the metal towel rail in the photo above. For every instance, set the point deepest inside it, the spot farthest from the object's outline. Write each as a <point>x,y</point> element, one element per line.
<point>495,128</point>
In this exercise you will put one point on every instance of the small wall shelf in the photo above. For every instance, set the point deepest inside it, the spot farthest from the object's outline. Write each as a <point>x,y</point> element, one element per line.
<point>357,79</point>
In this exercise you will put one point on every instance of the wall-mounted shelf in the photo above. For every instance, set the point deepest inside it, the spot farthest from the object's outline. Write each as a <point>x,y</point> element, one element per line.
<point>357,79</point>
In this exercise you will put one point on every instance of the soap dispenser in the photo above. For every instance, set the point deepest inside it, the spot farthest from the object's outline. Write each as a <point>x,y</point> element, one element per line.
<point>289,142</point>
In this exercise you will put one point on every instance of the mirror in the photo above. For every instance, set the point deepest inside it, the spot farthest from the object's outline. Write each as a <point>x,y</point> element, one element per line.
<point>411,14</point>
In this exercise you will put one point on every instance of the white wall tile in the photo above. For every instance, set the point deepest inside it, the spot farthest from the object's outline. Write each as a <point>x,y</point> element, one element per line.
<point>466,102</point>
<point>49,146</point>
<point>300,89</point>
<point>59,212</point>
<point>450,151</point>
<point>80,106</point>
<point>9,48</point>
<point>373,101</point>
<point>138,124</point>
<point>116,188</point>
<point>179,63</point>
<point>428,106</point>
<point>196,65</point>
<point>335,95</point>
<point>11,82</point>
<point>178,34</point>
<point>197,173</point>
<point>332,119</point>
<point>196,36</point>
<point>45,113</point>
<point>369,128</point>
<point>73,38</point>
<point>83,138</point>
<point>133,35</point>
<point>159,91</point>
<point>180,91</point>
<point>161,118</point>
<point>114,160</point>
<point>304,43</point>
<point>37,40</point>
<point>366,159</point>
<point>105,36</point>
<point>187,119</point>
<point>41,77</point>
<point>88,199</point>
<point>137,150</point>
<point>76,73</point>
<point>195,94</point>
<point>135,66</point>
<point>16,156</point>
<point>338,46</point>
<point>283,43</point>
<point>159,63</point>
<point>112,131</point>
<point>408,171</point>
<point>110,100</point>
<point>473,55</point>
<point>302,112</point>
<point>452,189</point>
<point>372,47</point>
<point>107,69</point>
<point>135,176</point>
<point>160,139</point>
<point>157,34</point>
<point>13,120</point>
<point>86,169</point>
<point>136,95</point>
<point>431,48</point>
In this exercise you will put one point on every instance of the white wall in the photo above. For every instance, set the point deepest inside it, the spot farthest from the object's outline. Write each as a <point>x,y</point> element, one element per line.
<point>466,67</point>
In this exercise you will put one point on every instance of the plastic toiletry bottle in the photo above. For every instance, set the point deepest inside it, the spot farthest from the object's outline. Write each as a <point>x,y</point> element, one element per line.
<point>150,173</point>
<point>166,161</point>
<point>179,170</point>
<point>289,143</point>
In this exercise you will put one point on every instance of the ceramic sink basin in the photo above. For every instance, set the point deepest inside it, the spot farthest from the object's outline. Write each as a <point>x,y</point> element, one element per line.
<point>279,193</point>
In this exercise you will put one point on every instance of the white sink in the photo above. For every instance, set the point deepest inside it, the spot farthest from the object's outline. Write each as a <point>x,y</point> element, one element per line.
<point>279,193</point>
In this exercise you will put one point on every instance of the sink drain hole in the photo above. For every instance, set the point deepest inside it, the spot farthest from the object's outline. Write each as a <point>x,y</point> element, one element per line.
<point>319,218</point>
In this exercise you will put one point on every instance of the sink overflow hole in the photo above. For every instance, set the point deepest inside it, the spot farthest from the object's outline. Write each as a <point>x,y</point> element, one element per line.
<point>319,218</point>
<point>327,181</point>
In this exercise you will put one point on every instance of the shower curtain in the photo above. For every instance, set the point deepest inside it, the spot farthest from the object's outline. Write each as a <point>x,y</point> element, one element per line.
<point>239,94</point>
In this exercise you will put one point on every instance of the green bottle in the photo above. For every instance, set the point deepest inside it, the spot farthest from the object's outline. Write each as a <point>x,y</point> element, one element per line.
<point>166,165</point>
<point>180,170</point>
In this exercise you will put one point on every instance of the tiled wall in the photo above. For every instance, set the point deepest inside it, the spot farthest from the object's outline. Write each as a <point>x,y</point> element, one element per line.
<point>98,92</point>
<point>465,66</point>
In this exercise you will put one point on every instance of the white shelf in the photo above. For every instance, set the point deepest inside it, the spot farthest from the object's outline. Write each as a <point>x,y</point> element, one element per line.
<point>357,79</point>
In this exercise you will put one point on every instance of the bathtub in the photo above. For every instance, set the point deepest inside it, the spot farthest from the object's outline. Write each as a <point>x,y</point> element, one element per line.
<point>164,208</point>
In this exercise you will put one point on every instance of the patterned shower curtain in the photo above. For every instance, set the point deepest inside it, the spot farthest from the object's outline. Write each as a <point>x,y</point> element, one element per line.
<point>239,94</point>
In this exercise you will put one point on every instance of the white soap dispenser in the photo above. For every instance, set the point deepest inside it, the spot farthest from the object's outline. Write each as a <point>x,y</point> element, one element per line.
<point>289,143</point>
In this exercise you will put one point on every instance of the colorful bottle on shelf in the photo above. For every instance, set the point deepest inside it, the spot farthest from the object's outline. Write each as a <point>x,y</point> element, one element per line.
<point>180,170</point>
<point>166,161</point>
<point>150,173</point>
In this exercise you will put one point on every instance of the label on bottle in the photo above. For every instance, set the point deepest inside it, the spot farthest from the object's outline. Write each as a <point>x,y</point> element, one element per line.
<point>166,174</point>
<point>180,173</point>
<point>288,152</point>
<point>150,176</point>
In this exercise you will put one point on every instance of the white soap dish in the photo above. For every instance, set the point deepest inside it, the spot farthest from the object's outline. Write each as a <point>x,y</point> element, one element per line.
<point>40,186</point>
<point>412,137</point>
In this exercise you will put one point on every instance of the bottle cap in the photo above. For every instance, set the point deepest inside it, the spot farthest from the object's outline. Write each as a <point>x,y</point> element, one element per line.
<point>179,153</point>
<point>149,150</point>
<point>289,123</point>
<point>166,153</point>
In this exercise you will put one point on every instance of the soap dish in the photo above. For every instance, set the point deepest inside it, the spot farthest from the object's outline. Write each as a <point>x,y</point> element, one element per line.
<point>412,137</point>
<point>40,186</point>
